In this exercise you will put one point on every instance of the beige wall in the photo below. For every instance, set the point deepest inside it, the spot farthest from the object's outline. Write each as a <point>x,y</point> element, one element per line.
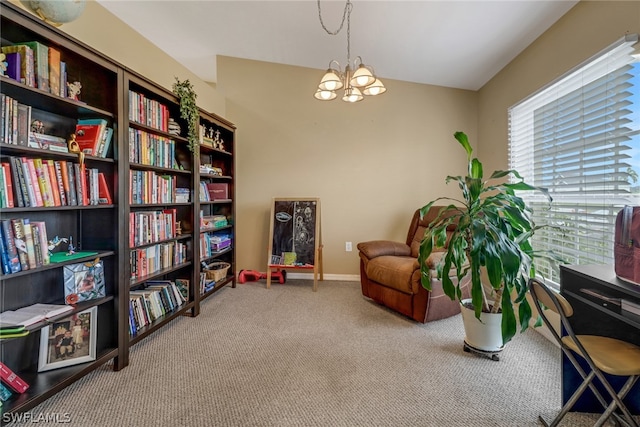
<point>587,28</point>
<point>100,29</point>
<point>371,163</point>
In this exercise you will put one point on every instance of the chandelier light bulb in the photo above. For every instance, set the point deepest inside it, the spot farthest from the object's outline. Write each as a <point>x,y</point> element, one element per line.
<point>330,81</point>
<point>325,95</point>
<point>362,77</point>
<point>375,88</point>
<point>352,94</point>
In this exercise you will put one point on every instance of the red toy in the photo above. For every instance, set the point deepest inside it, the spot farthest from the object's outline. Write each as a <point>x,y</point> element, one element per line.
<point>252,275</point>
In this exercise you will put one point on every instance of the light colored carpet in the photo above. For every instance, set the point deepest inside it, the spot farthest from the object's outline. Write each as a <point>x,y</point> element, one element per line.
<point>288,356</point>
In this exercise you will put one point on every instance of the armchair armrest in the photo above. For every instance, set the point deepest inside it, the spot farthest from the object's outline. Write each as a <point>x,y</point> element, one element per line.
<point>376,248</point>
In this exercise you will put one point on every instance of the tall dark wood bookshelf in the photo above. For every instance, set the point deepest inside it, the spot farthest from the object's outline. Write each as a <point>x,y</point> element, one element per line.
<point>150,156</point>
<point>107,88</point>
<point>217,150</point>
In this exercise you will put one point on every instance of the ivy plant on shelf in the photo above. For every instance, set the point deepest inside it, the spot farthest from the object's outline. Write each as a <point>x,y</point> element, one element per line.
<point>188,111</point>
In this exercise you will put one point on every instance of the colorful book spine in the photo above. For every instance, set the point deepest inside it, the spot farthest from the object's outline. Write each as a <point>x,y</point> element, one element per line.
<point>37,248</point>
<point>71,181</point>
<point>10,246</point>
<point>4,257</point>
<point>27,69</point>
<point>50,175</point>
<point>20,242</point>
<point>8,176</point>
<point>45,192</point>
<point>5,393</point>
<point>28,238</point>
<point>41,226</point>
<point>41,57</point>
<point>12,380</point>
<point>54,70</point>
<point>60,183</point>
<point>14,61</point>
<point>32,182</point>
<point>19,183</point>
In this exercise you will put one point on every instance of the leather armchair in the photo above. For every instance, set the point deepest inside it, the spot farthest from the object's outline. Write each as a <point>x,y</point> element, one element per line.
<point>390,275</point>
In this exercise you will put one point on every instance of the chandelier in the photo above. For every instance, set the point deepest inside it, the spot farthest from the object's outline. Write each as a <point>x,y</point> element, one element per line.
<point>358,82</point>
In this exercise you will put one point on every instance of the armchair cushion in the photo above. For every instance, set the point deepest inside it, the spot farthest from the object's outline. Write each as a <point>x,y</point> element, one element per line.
<point>376,248</point>
<point>395,272</point>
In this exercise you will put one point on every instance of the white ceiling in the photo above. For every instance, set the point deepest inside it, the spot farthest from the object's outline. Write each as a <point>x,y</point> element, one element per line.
<point>460,44</point>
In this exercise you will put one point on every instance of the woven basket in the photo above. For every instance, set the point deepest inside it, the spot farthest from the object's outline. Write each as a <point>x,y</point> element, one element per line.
<point>217,270</point>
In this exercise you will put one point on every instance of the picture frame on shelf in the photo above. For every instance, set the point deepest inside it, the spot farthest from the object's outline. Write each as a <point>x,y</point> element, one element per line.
<point>69,341</point>
<point>84,281</point>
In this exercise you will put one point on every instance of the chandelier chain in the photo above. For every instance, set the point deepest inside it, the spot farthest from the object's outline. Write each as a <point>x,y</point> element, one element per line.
<point>347,7</point>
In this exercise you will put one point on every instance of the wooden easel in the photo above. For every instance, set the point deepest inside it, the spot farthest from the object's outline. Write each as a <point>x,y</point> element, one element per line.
<point>292,222</point>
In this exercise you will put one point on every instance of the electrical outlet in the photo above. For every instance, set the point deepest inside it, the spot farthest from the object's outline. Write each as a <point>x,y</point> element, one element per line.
<point>347,246</point>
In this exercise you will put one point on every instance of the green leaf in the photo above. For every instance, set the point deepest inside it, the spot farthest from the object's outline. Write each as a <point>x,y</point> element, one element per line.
<point>524,313</point>
<point>464,141</point>
<point>508,318</point>
<point>476,169</point>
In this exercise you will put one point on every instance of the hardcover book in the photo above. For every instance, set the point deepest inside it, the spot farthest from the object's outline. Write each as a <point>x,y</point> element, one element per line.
<point>10,245</point>
<point>20,242</point>
<point>8,178</point>
<point>89,135</point>
<point>4,257</point>
<point>27,69</point>
<point>28,238</point>
<point>14,61</point>
<point>10,378</point>
<point>41,58</point>
<point>103,193</point>
<point>54,70</point>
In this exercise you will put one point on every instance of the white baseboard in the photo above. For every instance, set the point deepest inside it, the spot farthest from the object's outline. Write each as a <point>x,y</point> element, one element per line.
<point>309,276</point>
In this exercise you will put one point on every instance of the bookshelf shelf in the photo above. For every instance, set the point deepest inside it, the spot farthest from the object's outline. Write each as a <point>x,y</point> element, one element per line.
<point>137,110</point>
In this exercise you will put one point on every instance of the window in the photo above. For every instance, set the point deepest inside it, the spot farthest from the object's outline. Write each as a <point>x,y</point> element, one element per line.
<point>579,137</point>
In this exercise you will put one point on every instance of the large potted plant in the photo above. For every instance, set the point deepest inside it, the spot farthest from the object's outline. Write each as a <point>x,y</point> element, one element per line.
<point>490,241</point>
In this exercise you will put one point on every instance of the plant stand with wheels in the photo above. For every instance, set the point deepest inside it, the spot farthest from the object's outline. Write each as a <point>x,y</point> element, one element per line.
<point>493,355</point>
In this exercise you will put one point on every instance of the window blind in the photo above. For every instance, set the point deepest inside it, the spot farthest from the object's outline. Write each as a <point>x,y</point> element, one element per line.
<point>578,137</point>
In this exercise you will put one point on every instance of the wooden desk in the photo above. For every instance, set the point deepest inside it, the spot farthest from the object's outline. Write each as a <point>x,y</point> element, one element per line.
<point>594,315</point>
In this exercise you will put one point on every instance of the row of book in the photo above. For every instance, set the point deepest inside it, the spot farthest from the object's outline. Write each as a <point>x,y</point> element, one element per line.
<point>15,119</point>
<point>37,65</point>
<point>146,261</point>
<point>151,226</point>
<point>148,187</point>
<point>24,245</point>
<point>16,129</point>
<point>148,112</point>
<point>155,300</point>
<point>150,149</point>
<point>35,182</point>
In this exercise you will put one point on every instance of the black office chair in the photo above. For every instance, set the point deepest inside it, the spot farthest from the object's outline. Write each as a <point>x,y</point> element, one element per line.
<point>602,354</point>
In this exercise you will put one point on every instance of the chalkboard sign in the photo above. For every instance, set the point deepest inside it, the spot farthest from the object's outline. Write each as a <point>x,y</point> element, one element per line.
<point>294,238</point>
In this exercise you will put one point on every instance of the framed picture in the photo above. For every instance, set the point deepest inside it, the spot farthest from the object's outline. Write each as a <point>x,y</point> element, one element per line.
<point>84,281</point>
<point>69,341</point>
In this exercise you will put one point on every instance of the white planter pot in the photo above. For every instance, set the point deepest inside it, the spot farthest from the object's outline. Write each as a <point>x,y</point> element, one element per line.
<point>485,335</point>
